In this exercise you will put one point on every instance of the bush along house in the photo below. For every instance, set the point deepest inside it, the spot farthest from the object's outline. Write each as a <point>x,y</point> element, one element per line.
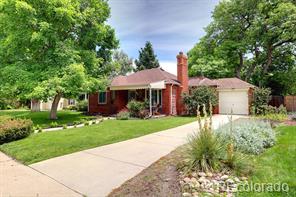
<point>163,91</point>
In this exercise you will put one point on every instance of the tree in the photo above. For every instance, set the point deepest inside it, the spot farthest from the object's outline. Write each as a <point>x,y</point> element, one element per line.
<point>147,59</point>
<point>54,48</point>
<point>200,96</point>
<point>121,63</point>
<point>253,38</point>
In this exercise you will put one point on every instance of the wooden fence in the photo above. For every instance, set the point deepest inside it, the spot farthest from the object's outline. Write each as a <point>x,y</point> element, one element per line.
<point>276,101</point>
<point>290,103</point>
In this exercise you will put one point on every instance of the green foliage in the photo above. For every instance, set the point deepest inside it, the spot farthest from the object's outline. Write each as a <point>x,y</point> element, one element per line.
<point>14,129</point>
<point>205,149</point>
<point>261,100</point>
<point>276,165</point>
<point>121,63</point>
<point>248,136</point>
<point>86,123</point>
<point>82,106</point>
<point>274,117</point>
<point>135,107</point>
<point>123,115</point>
<point>51,47</point>
<point>249,39</point>
<point>198,97</point>
<point>41,118</point>
<point>147,59</point>
<point>65,126</point>
<point>54,124</point>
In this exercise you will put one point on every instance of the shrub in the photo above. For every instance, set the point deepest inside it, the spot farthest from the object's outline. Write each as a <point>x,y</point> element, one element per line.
<point>54,124</point>
<point>261,99</point>
<point>5,118</point>
<point>144,114</point>
<point>82,106</point>
<point>71,107</point>
<point>123,115</point>
<point>86,123</point>
<point>14,129</point>
<point>205,149</point>
<point>274,117</point>
<point>198,97</point>
<point>135,107</point>
<point>65,126</point>
<point>249,136</point>
<point>282,110</point>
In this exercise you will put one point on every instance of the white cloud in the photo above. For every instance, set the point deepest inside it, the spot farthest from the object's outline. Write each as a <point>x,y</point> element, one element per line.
<point>169,66</point>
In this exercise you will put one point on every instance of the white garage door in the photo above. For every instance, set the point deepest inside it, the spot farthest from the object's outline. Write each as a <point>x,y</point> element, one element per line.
<point>235,100</point>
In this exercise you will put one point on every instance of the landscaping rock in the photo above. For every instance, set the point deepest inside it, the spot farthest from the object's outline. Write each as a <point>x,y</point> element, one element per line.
<point>244,178</point>
<point>202,174</point>
<point>186,194</point>
<point>186,179</point>
<point>224,177</point>
<point>209,184</point>
<point>230,181</point>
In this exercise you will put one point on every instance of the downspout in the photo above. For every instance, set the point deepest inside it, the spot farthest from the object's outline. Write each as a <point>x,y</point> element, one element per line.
<point>171,99</point>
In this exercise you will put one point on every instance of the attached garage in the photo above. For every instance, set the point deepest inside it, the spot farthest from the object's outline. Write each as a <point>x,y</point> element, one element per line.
<point>235,100</point>
<point>233,94</point>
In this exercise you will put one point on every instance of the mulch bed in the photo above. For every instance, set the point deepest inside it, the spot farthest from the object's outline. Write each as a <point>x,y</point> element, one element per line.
<point>290,122</point>
<point>158,180</point>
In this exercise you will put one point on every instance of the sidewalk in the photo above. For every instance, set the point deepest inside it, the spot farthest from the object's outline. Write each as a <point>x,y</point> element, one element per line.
<point>19,180</point>
<point>95,172</point>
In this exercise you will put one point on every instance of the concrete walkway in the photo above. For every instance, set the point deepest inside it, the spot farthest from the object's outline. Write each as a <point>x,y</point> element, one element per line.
<point>19,180</point>
<point>95,172</point>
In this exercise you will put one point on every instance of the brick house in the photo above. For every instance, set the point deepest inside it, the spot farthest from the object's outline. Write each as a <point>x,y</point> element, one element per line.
<point>164,91</point>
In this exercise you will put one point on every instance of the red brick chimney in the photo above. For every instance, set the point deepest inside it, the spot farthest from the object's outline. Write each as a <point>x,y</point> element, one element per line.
<point>182,76</point>
<point>182,71</point>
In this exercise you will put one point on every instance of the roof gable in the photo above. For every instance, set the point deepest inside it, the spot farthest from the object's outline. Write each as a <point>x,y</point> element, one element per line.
<point>230,83</point>
<point>145,77</point>
<point>201,81</point>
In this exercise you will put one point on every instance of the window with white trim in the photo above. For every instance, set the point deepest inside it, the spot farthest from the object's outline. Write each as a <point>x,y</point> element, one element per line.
<point>102,97</point>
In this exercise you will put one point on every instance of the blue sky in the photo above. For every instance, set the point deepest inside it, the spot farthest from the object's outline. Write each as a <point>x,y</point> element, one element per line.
<point>171,26</point>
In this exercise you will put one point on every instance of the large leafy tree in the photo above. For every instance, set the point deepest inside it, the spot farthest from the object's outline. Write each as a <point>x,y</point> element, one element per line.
<point>54,48</point>
<point>121,63</point>
<point>252,39</point>
<point>147,58</point>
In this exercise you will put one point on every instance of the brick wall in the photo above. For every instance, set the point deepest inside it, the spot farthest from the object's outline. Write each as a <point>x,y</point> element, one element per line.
<point>166,100</point>
<point>113,105</point>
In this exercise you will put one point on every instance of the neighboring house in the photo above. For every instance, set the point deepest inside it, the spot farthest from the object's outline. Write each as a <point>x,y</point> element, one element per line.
<point>164,91</point>
<point>37,105</point>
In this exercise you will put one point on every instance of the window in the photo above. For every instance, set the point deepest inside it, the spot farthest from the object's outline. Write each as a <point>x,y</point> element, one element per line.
<point>156,97</point>
<point>131,95</point>
<point>102,97</point>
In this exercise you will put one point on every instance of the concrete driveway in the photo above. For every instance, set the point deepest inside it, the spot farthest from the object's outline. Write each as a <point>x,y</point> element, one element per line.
<point>95,172</point>
<point>19,180</point>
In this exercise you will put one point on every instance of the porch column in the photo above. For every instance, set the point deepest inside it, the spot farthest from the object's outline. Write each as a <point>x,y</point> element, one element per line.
<point>150,101</point>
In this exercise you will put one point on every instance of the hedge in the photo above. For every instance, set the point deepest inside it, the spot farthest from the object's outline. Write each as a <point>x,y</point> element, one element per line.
<point>14,129</point>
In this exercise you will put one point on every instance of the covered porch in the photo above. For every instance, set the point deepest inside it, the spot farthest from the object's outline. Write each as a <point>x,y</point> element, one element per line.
<point>152,93</point>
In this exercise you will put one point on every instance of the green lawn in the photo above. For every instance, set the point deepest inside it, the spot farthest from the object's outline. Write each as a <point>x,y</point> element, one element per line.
<point>42,118</point>
<point>42,146</point>
<point>277,164</point>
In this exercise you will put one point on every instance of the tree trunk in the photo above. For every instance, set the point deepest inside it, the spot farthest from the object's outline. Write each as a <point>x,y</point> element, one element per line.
<point>241,65</point>
<point>54,106</point>
<point>269,59</point>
